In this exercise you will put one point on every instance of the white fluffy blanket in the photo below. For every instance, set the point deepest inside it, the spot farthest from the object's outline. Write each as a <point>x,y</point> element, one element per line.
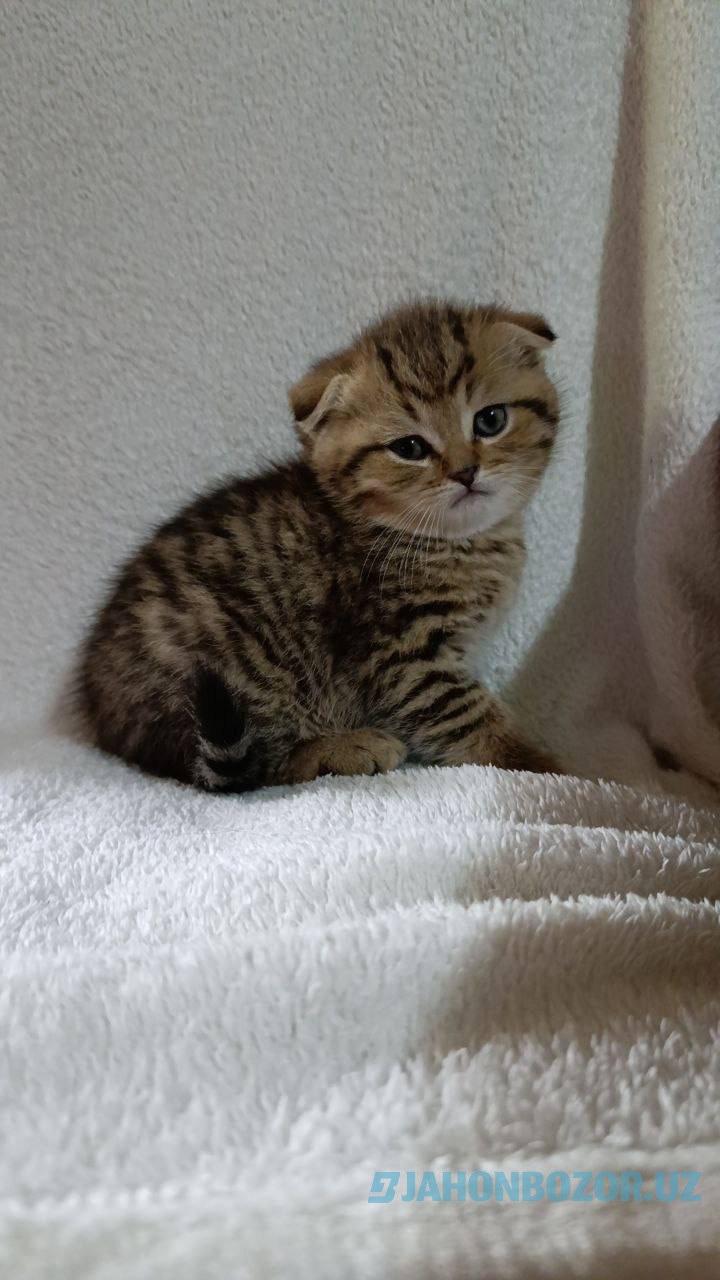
<point>221,1016</point>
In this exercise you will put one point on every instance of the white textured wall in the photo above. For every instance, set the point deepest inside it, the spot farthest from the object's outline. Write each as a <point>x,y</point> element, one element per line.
<point>199,197</point>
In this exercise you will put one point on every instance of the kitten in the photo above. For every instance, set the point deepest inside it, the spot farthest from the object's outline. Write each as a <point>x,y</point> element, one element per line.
<point>313,619</point>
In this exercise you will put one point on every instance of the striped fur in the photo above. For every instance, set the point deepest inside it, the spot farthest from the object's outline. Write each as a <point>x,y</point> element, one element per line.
<point>314,619</point>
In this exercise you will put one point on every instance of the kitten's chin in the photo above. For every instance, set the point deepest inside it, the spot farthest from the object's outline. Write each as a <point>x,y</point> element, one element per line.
<point>475,513</point>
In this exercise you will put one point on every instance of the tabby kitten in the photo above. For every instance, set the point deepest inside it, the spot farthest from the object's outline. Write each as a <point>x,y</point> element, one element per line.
<point>313,619</point>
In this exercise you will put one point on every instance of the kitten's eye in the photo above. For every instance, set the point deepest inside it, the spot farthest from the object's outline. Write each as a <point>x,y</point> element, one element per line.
<point>490,421</point>
<point>412,448</point>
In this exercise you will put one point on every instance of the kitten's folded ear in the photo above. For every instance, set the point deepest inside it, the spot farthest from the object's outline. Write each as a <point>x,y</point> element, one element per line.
<point>319,391</point>
<point>527,333</point>
<point>534,324</point>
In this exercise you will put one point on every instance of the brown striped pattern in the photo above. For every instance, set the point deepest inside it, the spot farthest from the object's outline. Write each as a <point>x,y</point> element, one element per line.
<point>294,624</point>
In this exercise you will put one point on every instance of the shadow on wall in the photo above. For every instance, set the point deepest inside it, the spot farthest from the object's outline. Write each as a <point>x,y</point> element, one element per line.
<point>594,617</point>
<point>697,579</point>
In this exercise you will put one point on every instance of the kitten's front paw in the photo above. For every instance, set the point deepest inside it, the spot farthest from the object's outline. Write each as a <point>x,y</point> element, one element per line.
<point>359,751</point>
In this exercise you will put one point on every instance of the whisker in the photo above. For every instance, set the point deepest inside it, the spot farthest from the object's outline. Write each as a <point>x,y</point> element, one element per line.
<point>406,521</point>
<point>434,507</point>
<point>435,501</point>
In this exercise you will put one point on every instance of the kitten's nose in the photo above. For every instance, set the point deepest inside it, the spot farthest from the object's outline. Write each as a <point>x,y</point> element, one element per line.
<point>465,476</point>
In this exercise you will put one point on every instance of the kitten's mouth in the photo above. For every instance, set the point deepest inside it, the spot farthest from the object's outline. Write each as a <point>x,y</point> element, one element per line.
<point>477,491</point>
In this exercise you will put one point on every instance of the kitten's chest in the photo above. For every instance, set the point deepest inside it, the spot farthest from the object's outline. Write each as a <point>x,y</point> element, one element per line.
<point>476,577</point>
<point>364,621</point>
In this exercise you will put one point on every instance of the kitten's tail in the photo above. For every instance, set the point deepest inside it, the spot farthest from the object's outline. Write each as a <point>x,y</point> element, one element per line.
<point>228,756</point>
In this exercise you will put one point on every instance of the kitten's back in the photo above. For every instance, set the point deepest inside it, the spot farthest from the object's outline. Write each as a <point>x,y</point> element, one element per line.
<point>202,615</point>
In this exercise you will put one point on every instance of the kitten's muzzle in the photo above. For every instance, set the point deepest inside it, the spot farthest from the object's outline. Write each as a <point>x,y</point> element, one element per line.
<point>467,477</point>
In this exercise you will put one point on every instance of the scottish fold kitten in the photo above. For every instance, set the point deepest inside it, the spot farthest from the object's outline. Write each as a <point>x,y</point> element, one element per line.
<point>314,619</point>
